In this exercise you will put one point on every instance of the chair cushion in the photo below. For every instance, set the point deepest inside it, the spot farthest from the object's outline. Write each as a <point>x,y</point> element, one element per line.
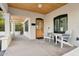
<point>66,36</point>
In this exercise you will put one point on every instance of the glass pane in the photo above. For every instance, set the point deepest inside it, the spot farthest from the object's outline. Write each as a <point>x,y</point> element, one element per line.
<point>26,26</point>
<point>63,24</point>
<point>56,25</point>
<point>2,22</point>
<point>18,27</point>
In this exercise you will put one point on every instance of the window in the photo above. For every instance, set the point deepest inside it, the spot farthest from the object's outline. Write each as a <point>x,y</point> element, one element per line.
<point>61,24</point>
<point>26,26</point>
<point>2,22</point>
<point>18,27</point>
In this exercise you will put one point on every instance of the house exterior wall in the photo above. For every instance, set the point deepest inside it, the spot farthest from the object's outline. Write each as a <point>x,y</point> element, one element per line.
<point>73,20</point>
<point>73,23</point>
<point>32,19</point>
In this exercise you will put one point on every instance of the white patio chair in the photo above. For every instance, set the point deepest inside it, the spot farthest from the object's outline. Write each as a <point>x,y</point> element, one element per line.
<point>50,36</point>
<point>64,38</point>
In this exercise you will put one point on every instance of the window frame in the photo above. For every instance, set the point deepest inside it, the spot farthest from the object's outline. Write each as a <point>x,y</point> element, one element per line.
<point>58,18</point>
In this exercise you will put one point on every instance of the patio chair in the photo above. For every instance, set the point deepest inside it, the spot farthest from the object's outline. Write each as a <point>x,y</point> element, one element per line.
<point>50,36</point>
<point>64,38</point>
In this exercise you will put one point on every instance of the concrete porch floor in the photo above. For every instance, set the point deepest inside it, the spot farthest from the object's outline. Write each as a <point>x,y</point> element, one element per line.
<point>22,46</point>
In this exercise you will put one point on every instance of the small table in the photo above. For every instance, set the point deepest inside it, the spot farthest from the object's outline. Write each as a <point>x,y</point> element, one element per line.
<point>56,37</point>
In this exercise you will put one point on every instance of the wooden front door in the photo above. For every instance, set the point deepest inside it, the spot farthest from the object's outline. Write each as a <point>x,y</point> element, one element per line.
<point>39,28</point>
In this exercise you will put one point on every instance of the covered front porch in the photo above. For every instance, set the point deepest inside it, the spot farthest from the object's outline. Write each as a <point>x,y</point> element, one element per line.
<point>27,36</point>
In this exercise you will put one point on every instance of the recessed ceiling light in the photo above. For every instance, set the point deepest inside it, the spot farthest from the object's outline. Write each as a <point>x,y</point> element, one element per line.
<point>39,5</point>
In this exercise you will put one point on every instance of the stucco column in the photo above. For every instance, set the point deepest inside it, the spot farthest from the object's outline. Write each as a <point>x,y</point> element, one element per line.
<point>7,24</point>
<point>23,28</point>
<point>13,27</point>
<point>7,39</point>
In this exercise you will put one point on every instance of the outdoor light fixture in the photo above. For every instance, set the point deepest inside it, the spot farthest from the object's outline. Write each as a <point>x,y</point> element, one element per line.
<point>39,5</point>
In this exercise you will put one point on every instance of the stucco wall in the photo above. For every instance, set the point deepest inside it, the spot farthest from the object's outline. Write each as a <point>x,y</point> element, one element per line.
<point>73,20</point>
<point>32,17</point>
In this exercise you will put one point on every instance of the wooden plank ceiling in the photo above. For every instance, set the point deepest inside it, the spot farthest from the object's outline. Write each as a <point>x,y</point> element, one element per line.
<point>46,7</point>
